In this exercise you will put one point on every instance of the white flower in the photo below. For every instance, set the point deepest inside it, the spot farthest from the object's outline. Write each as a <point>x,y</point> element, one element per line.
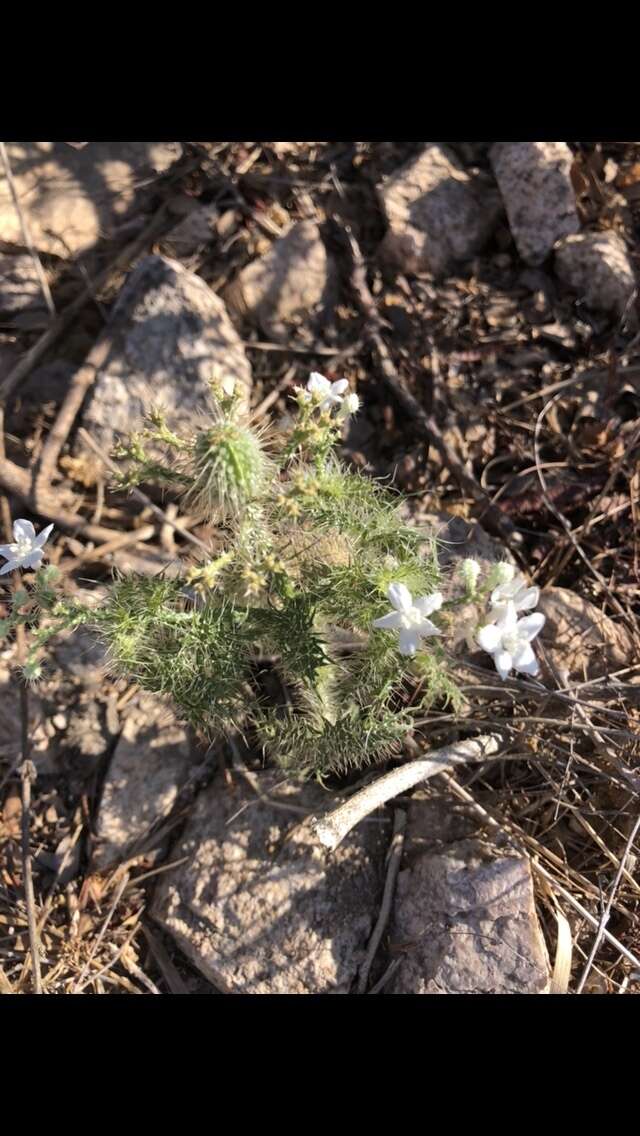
<point>409,617</point>
<point>26,552</point>
<point>470,570</point>
<point>509,640</point>
<point>321,390</point>
<point>515,591</point>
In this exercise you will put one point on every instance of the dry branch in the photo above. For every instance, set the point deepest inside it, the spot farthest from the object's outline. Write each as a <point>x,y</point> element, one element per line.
<point>394,859</point>
<point>332,829</point>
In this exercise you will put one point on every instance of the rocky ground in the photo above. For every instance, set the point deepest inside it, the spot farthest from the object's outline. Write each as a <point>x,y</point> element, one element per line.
<point>482,299</point>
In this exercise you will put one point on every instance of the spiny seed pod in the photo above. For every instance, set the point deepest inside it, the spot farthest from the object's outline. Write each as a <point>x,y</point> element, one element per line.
<point>230,469</point>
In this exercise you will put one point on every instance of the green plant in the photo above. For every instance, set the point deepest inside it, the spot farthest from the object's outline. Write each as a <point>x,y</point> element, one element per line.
<point>310,556</point>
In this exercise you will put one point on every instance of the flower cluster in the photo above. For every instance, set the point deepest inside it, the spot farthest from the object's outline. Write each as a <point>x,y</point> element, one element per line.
<point>284,629</point>
<point>506,637</point>
<point>329,396</point>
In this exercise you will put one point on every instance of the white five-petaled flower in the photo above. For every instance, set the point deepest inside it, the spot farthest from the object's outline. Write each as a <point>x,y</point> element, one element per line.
<point>515,591</point>
<point>26,551</point>
<point>321,390</point>
<point>509,640</point>
<point>409,617</point>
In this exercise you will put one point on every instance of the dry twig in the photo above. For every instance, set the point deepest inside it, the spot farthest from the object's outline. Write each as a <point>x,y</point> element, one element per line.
<point>44,283</point>
<point>25,365</point>
<point>606,914</point>
<point>332,829</point>
<point>394,859</point>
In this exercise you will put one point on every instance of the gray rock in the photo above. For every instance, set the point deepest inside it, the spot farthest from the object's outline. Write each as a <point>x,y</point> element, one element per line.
<point>72,198</point>
<point>150,764</point>
<point>193,233</point>
<point>167,336</point>
<point>20,289</point>
<point>457,539</point>
<point>437,213</point>
<point>85,731</point>
<point>290,289</point>
<point>580,638</point>
<point>260,907</point>
<point>435,819</point>
<point>535,182</point>
<point>598,267</point>
<point>465,923</point>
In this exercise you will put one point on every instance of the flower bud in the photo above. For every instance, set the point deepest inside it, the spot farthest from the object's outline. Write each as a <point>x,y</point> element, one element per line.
<point>501,573</point>
<point>230,469</point>
<point>350,405</point>
<point>470,571</point>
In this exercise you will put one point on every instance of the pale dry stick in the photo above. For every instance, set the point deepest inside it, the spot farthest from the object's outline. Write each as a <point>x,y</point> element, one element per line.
<point>25,365</point>
<point>116,951</point>
<point>611,856</point>
<point>469,799</point>
<point>600,518</point>
<point>506,694</point>
<point>584,913</point>
<point>103,930</point>
<point>5,985</point>
<point>267,402</point>
<point>27,775</point>
<point>48,903</point>
<point>164,962</point>
<point>44,283</point>
<point>332,828</point>
<point>386,977</point>
<point>134,969</point>
<point>596,735</point>
<point>261,797</point>
<point>122,540</point>
<point>521,685</point>
<point>606,914</point>
<point>561,974</point>
<point>82,381</point>
<point>580,708</point>
<point>287,348</point>
<point>394,858</point>
<point>561,723</point>
<point>529,842</point>
<point>157,871</point>
<point>631,372</point>
<point>17,481</point>
<point>140,496</point>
